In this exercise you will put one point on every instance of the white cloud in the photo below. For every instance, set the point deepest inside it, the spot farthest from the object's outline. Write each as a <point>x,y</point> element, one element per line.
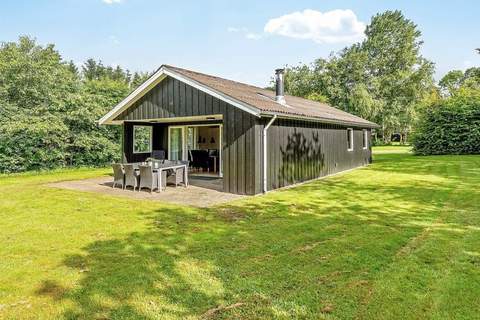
<point>112,1</point>
<point>249,35</point>
<point>330,27</point>
<point>253,36</point>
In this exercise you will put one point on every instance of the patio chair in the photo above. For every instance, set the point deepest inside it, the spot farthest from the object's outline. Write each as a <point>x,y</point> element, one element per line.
<point>118,175</point>
<point>148,178</point>
<point>131,177</point>
<point>178,175</point>
<point>158,154</point>
<point>212,152</point>
<point>200,159</point>
<point>169,162</point>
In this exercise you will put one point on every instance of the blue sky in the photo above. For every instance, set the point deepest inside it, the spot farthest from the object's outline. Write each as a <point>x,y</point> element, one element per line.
<point>242,40</point>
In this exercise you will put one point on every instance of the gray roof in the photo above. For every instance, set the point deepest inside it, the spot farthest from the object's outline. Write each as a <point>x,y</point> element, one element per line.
<point>264,100</point>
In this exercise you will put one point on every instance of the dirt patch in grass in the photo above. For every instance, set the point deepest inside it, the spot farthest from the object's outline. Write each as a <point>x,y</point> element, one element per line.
<point>230,214</point>
<point>52,289</point>
<point>214,311</point>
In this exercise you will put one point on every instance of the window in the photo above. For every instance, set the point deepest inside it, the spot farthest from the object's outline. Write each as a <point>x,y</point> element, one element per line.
<point>142,139</point>
<point>350,139</point>
<point>192,134</point>
<point>365,139</point>
<point>176,143</point>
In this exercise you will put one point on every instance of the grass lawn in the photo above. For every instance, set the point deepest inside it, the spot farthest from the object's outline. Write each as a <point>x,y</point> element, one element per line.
<point>398,239</point>
<point>392,149</point>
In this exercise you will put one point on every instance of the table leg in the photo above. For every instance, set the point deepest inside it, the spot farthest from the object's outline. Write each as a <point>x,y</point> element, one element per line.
<point>185,177</point>
<point>159,180</point>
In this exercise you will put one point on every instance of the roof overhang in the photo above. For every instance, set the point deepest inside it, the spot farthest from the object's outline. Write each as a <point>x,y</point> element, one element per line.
<point>193,119</point>
<point>321,120</point>
<point>155,79</point>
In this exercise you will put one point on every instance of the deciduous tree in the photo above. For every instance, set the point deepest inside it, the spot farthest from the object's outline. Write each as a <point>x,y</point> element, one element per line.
<point>383,79</point>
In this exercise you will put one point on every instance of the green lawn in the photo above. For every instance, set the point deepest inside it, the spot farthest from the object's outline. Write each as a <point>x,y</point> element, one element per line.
<point>398,239</point>
<point>392,149</point>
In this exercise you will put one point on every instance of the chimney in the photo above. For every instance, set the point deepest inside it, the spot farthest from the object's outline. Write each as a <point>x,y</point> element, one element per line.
<point>279,94</point>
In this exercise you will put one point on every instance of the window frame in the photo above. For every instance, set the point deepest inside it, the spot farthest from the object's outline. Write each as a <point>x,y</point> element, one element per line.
<point>365,139</point>
<point>350,135</point>
<point>150,142</point>
<point>184,142</point>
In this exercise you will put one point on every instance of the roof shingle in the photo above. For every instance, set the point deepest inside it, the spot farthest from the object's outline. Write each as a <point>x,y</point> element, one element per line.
<point>264,100</point>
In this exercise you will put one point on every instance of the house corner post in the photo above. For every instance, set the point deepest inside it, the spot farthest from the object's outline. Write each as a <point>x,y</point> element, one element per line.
<point>123,158</point>
<point>265,129</point>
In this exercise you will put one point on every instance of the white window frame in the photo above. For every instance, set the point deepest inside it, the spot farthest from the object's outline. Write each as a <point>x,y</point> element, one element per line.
<point>184,141</point>
<point>194,136</point>
<point>151,139</point>
<point>350,134</point>
<point>365,139</point>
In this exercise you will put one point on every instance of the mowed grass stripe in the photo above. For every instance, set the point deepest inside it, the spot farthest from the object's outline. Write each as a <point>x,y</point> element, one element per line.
<point>399,238</point>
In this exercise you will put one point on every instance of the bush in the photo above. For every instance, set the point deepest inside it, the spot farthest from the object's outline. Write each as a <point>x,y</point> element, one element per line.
<point>452,126</point>
<point>48,109</point>
<point>32,144</point>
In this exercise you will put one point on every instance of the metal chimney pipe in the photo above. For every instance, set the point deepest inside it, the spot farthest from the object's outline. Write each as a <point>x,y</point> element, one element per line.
<point>279,87</point>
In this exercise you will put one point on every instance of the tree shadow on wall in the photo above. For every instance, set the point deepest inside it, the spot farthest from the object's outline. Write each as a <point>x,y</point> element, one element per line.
<point>302,159</point>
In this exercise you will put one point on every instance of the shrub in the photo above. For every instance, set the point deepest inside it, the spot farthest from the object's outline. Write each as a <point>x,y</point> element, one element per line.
<point>32,144</point>
<point>451,126</point>
<point>48,110</point>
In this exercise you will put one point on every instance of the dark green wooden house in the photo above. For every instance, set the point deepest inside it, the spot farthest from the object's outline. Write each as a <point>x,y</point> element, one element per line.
<point>264,139</point>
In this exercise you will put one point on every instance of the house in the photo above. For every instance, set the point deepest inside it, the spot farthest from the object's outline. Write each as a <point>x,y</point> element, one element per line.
<point>264,139</point>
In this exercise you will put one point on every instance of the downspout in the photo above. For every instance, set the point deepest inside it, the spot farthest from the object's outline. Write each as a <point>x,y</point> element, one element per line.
<point>265,152</point>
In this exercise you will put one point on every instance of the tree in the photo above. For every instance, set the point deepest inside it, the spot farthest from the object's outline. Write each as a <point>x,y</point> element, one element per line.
<point>383,79</point>
<point>73,68</point>
<point>346,79</point>
<point>48,108</point>
<point>34,86</point>
<point>471,78</point>
<point>301,81</point>
<point>139,78</point>
<point>451,82</point>
<point>89,143</point>
<point>34,78</point>
<point>399,75</point>
<point>92,69</point>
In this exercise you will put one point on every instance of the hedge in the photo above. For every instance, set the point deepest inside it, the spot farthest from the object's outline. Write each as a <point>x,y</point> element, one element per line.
<point>452,126</point>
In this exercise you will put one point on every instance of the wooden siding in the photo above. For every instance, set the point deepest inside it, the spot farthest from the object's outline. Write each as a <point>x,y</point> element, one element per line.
<point>239,156</point>
<point>172,98</point>
<point>298,151</point>
<point>159,141</point>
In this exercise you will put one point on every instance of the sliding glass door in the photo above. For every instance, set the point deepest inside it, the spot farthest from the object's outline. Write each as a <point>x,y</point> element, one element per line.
<point>192,134</point>
<point>208,138</point>
<point>176,143</point>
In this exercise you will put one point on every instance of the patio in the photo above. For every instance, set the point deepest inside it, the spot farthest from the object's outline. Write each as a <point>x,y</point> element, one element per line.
<point>203,191</point>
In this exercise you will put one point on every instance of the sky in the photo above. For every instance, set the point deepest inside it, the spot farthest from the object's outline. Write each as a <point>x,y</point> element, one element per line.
<point>240,40</point>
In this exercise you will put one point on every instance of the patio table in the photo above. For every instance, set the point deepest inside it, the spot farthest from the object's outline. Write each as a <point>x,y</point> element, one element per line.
<point>159,167</point>
<point>163,167</point>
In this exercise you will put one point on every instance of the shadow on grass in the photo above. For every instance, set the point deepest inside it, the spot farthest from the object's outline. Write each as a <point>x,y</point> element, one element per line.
<point>293,253</point>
